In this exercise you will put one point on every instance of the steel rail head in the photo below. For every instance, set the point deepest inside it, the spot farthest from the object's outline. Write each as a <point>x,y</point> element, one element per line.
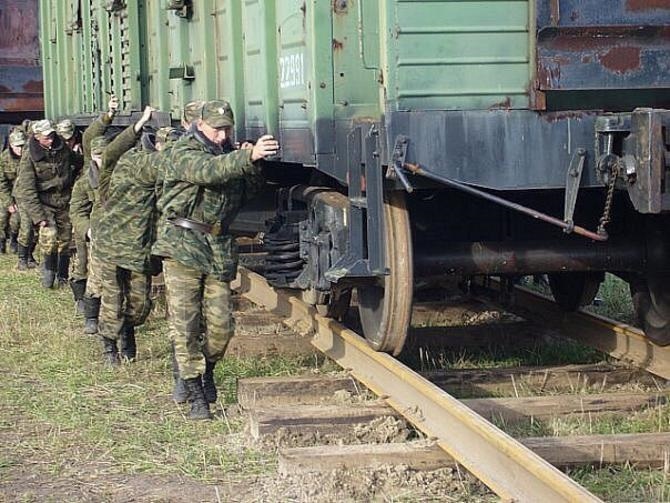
<point>510,469</point>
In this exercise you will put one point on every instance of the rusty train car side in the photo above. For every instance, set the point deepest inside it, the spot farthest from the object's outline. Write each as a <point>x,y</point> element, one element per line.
<point>21,84</point>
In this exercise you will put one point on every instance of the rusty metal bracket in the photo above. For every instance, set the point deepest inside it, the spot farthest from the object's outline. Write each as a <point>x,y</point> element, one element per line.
<point>398,163</point>
<point>572,182</point>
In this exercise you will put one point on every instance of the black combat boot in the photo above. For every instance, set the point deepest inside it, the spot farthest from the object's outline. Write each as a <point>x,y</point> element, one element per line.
<point>208,385</point>
<point>49,270</point>
<point>3,246</point>
<point>13,243</point>
<point>127,342</point>
<point>32,263</point>
<point>110,353</point>
<point>199,406</point>
<point>179,392</point>
<point>91,311</point>
<point>23,258</point>
<point>78,287</point>
<point>63,272</point>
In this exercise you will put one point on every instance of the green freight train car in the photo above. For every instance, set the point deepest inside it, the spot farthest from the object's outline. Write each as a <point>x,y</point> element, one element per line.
<point>430,138</point>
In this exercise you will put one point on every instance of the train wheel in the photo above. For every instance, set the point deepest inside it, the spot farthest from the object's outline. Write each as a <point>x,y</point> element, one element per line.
<point>385,307</point>
<point>651,299</point>
<point>572,290</point>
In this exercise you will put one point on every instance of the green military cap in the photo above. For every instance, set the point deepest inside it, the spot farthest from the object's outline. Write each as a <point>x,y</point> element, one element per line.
<point>98,145</point>
<point>192,110</point>
<point>65,128</point>
<point>44,127</point>
<point>17,138</point>
<point>218,114</point>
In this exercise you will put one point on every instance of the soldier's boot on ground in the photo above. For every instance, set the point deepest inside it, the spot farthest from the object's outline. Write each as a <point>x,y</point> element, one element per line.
<point>179,392</point>
<point>208,385</point>
<point>110,353</point>
<point>199,405</point>
<point>49,265</point>
<point>127,342</point>
<point>91,312</point>
<point>78,287</point>
<point>13,243</point>
<point>23,258</point>
<point>32,263</point>
<point>63,272</point>
<point>3,246</point>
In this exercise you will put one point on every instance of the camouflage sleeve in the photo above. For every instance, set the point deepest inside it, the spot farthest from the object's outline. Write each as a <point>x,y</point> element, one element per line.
<point>113,152</point>
<point>95,129</point>
<point>80,208</point>
<point>25,190</point>
<point>147,169</point>
<point>5,186</point>
<point>201,168</point>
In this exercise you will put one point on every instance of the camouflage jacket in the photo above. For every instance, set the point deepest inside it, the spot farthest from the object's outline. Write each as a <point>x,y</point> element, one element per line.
<point>45,178</point>
<point>210,189</point>
<point>126,228</point>
<point>81,205</point>
<point>9,165</point>
<point>96,177</point>
<point>83,195</point>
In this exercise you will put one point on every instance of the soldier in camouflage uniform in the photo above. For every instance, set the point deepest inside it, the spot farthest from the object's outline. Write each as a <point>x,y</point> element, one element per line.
<point>85,282</point>
<point>9,214</point>
<point>203,189</point>
<point>43,187</point>
<point>123,244</point>
<point>70,135</point>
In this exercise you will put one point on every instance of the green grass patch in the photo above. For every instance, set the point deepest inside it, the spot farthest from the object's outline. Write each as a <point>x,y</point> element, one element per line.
<point>63,409</point>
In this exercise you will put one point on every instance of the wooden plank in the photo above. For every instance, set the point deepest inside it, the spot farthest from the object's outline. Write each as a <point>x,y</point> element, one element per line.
<point>545,407</point>
<point>643,450</point>
<point>420,455</point>
<point>519,381</point>
<point>262,392</point>
<point>323,419</point>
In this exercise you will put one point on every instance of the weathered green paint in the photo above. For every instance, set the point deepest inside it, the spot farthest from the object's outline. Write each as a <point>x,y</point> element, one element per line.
<point>290,65</point>
<point>451,54</point>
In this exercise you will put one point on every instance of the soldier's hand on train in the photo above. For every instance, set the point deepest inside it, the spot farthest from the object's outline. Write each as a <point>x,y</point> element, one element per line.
<point>12,208</point>
<point>266,146</point>
<point>146,115</point>
<point>43,223</point>
<point>112,106</point>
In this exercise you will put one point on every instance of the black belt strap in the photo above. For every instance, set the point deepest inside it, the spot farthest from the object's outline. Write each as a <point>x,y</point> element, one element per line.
<point>187,223</point>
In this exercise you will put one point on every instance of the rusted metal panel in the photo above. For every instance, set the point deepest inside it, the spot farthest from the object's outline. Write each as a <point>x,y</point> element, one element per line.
<point>21,87</point>
<point>585,44</point>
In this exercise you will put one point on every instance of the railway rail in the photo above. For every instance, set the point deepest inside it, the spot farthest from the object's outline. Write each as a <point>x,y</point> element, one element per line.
<point>509,468</point>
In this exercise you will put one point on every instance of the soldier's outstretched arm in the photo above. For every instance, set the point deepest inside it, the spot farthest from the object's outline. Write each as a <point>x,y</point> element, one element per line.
<point>201,168</point>
<point>25,191</point>
<point>119,146</point>
<point>99,126</point>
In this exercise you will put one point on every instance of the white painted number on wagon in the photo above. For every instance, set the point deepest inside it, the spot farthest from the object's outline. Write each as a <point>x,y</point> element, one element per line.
<point>292,70</point>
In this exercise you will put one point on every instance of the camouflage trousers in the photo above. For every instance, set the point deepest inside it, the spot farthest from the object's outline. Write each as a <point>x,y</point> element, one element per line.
<point>9,222</point>
<point>80,261</point>
<point>93,271</point>
<point>26,230</point>
<point>125,299</point>
<point>56,237</point>
<point>201,323</point>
